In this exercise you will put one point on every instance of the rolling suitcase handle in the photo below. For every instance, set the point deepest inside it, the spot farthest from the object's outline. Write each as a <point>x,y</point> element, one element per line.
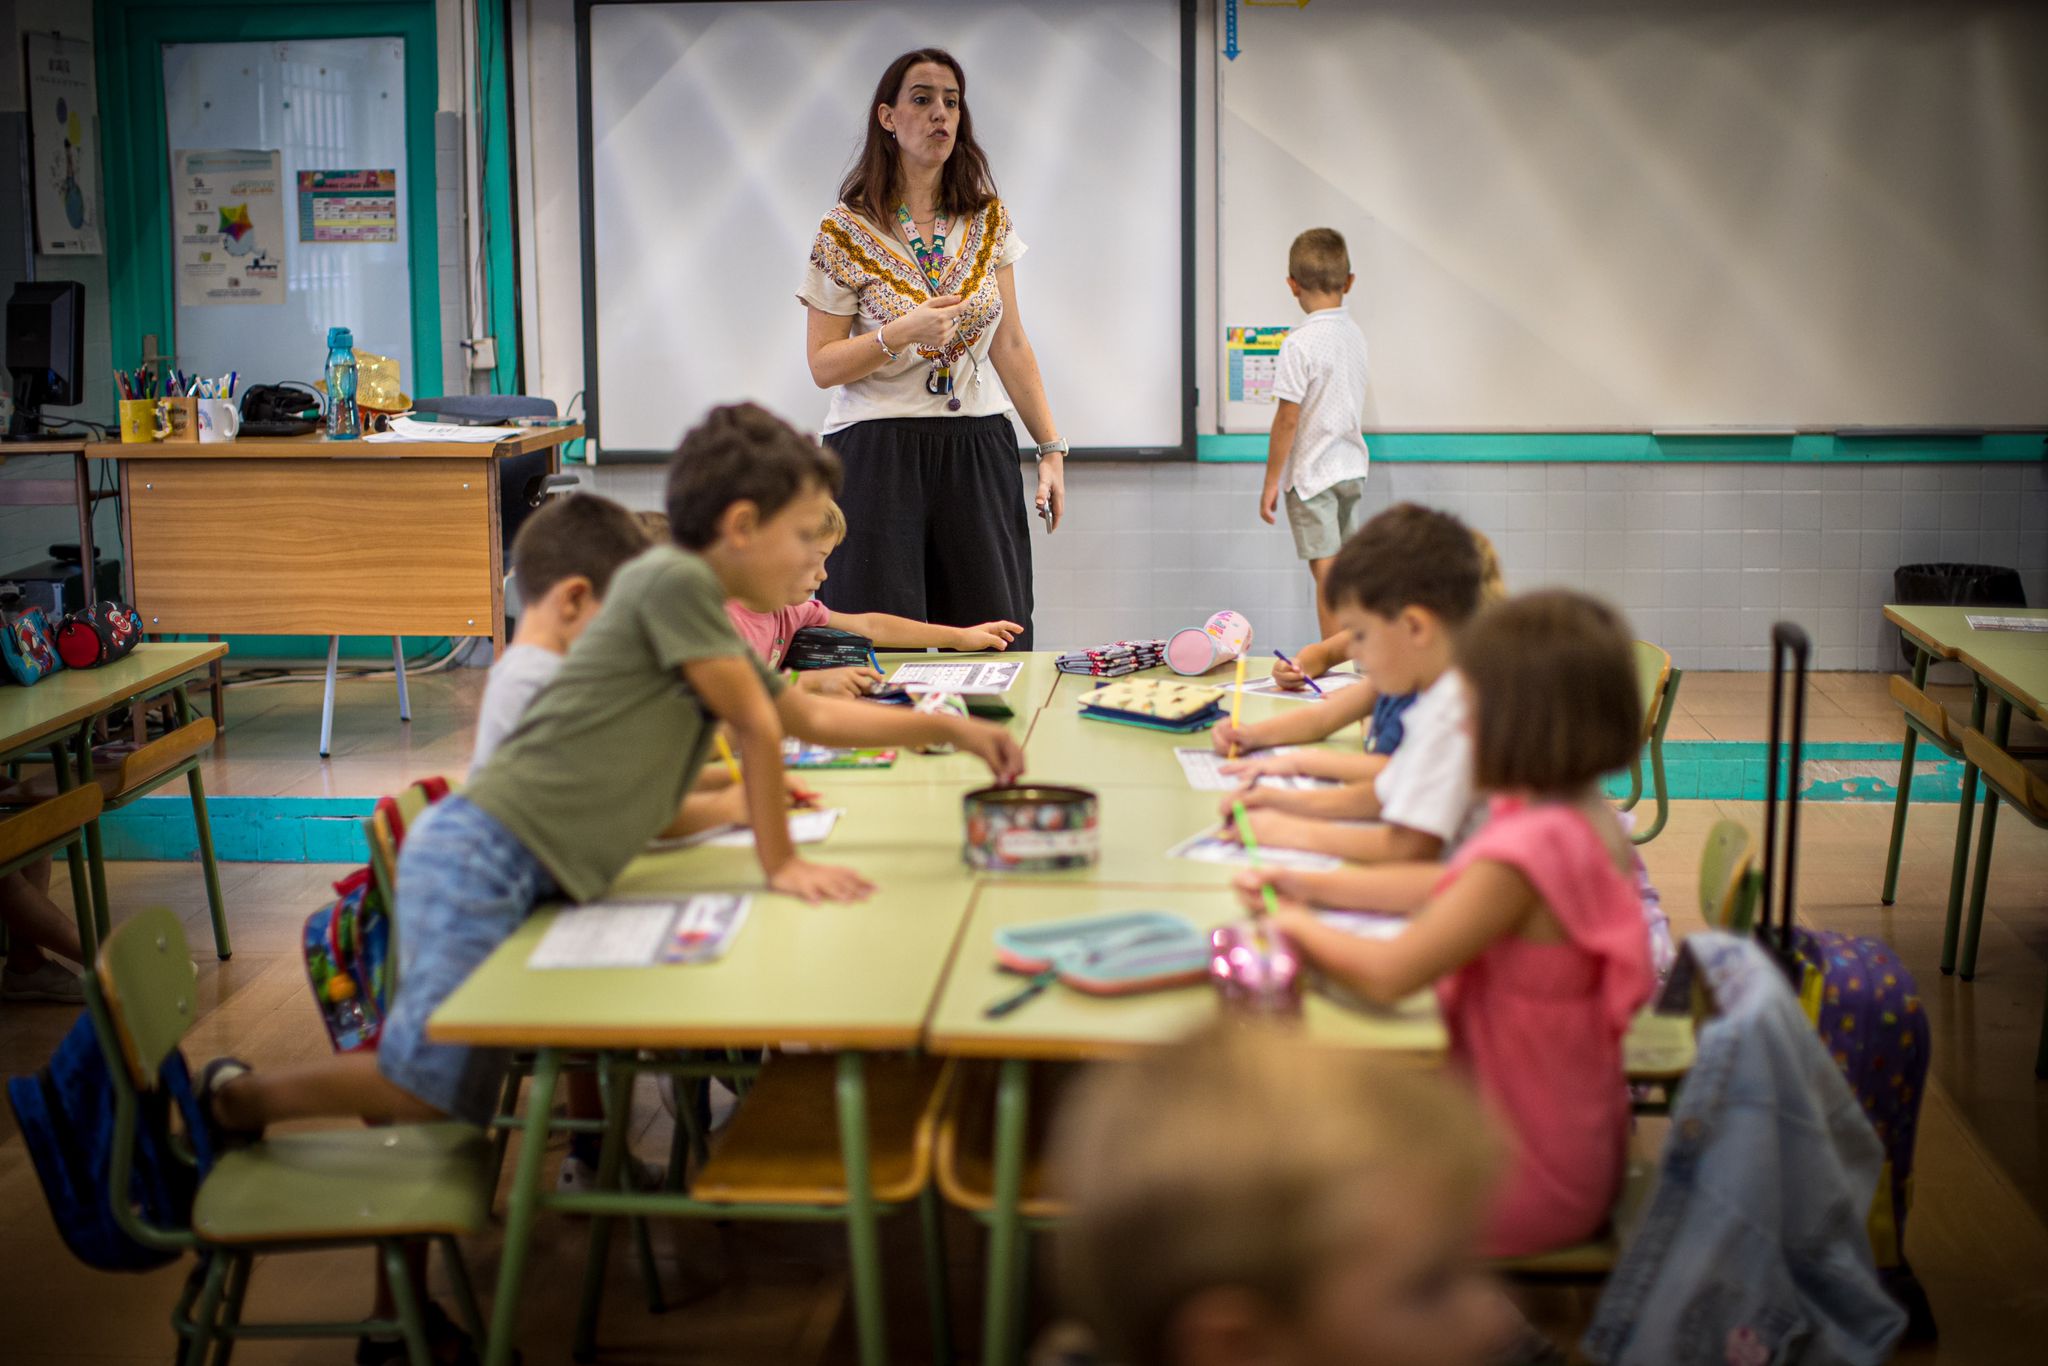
<point>1774,914</point>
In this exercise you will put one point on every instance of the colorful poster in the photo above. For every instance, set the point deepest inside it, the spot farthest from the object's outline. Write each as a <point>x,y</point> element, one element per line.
<point>1254,356</point>
<point>64,138</point>
<point>348,206</point>
<point>228,211</point>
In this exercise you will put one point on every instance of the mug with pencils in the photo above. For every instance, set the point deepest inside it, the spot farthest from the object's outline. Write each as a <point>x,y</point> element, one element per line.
<point>218,420</point>
<point>138,420</point>
<point>177,419</point>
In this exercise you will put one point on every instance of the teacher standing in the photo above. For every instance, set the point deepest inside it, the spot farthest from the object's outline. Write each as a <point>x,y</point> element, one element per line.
<point>914,327</point>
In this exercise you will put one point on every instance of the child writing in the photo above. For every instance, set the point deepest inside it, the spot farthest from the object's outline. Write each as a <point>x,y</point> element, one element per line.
<point>1248,1198</point>
<point>1316,453</point>
<point>1403,587</point>
<point>599,765</point>
<point>769,632</point>
<point>1534,935</point>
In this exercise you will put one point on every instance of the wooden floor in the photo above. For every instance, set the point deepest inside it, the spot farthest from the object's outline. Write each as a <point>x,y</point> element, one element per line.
<point>763,1293</point>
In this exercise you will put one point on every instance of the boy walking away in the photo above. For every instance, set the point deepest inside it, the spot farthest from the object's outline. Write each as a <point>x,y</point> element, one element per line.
<point>1316,454</point>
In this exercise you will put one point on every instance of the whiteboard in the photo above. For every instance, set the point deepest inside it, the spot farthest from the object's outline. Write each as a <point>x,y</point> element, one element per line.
<point>718,136</point>
<point>326,104</point>
<point>1657,213</point>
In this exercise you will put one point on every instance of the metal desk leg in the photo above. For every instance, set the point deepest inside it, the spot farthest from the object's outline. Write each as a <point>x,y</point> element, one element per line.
<point>521,1208</point>
<point>1959,870</point>
<point>863,1240</point>
<point>1891,862</point>
<point>202,824</point>
<point>83,905</point>
<point>398,665</point>
<point>1975,922</point>
<point>617,1102</point>
<point>327,699</point>
<point>1001,1314</point>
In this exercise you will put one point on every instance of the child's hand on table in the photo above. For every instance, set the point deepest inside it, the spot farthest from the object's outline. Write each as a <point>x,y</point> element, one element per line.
<point>990,635</point>
<point>856,680</point>
<point>1275,828</point>
<point>991,744</point>
<point>1288,884</point>
<point>1253,797</point>
<point>1225,735</point>
<point>816,882</point>
<point>1266,765</point>
<point>1289,676</point>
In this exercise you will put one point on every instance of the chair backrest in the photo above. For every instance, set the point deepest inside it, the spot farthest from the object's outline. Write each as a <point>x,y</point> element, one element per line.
<point>2020,787</point>
<point>29,832</point>
<point>1653,676</point>
<point>1918,706</point>
<point>146,978</point>
<point>1727,877</point>
<point>164,757</point>
<point>383,844</point>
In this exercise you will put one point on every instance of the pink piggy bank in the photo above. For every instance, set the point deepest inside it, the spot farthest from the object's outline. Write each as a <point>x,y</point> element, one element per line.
<point>1256,969</point>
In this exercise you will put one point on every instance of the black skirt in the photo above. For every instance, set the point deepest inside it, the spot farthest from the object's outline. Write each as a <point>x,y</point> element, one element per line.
<point>936,523</point>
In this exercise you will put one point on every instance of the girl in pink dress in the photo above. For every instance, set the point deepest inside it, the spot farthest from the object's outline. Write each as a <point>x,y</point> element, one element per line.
<point>1535,935</point>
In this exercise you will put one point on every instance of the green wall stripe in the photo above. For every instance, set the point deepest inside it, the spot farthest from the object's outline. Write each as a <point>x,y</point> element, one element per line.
<point>329,829</point>
<point>1646,448</point>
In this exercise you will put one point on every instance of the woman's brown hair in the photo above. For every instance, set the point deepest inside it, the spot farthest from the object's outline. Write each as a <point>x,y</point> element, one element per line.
<point>1554,690</point>
<point>965,184</point>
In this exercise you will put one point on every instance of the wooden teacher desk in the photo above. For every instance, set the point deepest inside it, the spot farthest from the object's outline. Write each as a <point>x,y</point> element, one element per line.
<point>305,536</point>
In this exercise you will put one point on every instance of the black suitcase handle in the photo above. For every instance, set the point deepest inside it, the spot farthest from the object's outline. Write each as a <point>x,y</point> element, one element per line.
<point>1781,857</point>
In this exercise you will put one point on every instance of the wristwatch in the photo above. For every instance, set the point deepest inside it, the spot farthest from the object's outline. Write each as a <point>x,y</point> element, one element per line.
<point>1046,448</point>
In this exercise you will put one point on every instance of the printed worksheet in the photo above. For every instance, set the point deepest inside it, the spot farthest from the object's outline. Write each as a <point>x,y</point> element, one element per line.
<point>1995,623</point>
<point>978,677</point>
<point>805,827</point>
<point>1266,687</point>
<point>1204,769</point>
<point>639,934</point>
<point>1210,847</point>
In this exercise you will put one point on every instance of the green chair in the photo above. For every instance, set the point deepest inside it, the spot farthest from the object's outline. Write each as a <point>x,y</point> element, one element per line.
<point>1927,721</point>
<point>1729,881</point>
<point>33,833</point>
<point>2026,791</point>
<point>1658,679</point>
<point>384,1187</point>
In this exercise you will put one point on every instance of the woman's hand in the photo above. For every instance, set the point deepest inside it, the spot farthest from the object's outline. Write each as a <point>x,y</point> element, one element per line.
<point>932,323</point>
<point>990,635</point>
<point>1052,490</point>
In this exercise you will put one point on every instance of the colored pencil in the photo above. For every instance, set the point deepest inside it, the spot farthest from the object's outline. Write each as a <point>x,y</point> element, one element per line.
<point>1236,706</point>
<point>732,765</point>
<point>1298,669</point>
<point>1251,851</point>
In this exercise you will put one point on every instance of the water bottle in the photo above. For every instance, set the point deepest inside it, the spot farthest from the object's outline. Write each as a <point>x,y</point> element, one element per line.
<point>344,419</point>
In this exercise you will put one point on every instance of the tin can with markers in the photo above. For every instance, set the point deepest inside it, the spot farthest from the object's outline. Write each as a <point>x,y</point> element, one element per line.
<point>1031,829</point>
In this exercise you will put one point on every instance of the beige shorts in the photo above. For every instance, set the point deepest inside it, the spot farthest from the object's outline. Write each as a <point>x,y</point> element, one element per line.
<point>1323,523</point>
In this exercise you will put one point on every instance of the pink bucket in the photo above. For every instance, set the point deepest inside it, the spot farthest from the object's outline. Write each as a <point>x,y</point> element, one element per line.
<point>1220,640</point>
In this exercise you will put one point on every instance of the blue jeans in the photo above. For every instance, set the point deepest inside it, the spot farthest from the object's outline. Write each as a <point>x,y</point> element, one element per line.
<point>464,885</point>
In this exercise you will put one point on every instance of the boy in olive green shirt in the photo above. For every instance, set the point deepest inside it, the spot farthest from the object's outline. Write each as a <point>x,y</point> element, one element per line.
<point>600,764</point>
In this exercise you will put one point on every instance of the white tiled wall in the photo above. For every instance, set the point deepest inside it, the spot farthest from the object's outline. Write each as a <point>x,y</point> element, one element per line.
<point>1703,557</point>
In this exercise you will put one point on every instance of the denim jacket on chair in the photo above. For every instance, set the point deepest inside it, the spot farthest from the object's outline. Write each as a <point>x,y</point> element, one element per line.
<point>1752,1250</point>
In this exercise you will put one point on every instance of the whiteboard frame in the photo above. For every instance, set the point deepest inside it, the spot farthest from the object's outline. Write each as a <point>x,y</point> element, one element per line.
<point>586,188</point>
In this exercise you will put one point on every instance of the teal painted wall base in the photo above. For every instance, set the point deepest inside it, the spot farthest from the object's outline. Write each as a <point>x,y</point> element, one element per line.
<point>329,829</point>
<point>1649,448</point>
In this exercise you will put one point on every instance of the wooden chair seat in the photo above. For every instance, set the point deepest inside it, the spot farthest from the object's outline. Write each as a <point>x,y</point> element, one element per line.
<point>139,769</point>
<point>2019,784</point>
<point>782,1147</point>
<point>1926,715</point>
<point>30,830</point>
<point>967,1158</point>
<point>401,1181</point>
<point>1658,1048</point>
<point>1597,1257</point>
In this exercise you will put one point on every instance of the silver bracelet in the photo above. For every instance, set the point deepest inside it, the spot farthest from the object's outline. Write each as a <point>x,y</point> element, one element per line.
<point>883,342</point>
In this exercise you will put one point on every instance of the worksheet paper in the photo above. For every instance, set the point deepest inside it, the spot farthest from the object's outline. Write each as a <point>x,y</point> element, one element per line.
<point>1266,687</point>
<point>1995,623</point>
<point>805,827</point>
<point>639,934</point>
<point>413,429</point>
<point>1210,847</point>
<point>977,678</point>
<point>1204,769</point>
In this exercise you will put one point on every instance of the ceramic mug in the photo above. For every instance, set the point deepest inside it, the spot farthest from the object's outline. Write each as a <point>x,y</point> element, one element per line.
<point>138,420</point>
<point>218,420</point>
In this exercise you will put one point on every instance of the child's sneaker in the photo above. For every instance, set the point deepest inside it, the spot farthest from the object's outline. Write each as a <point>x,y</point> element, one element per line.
<point>52,983</point>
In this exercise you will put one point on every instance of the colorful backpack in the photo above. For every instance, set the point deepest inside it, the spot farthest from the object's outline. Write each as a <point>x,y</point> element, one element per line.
<point>26,644</point>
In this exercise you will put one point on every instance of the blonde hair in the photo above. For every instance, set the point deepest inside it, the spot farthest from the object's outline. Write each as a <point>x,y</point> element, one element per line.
<point>1239,1158</point>
<point>835,522</point>
<point>1493,584</point>
<point>1319,261</point>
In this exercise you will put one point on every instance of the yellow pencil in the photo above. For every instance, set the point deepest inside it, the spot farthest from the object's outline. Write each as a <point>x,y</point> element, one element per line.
<point>732,765</point>
<point>1236,706</point>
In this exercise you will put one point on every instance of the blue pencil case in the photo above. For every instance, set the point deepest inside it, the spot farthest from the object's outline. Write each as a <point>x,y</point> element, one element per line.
<point>1109,955</point>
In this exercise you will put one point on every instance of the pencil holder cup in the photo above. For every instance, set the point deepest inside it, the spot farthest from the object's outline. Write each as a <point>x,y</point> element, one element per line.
<point>177,419</point>
<point>218,420</point>
<point>1221,639</point>
<point>138,419</point>
<point>1256,969</point>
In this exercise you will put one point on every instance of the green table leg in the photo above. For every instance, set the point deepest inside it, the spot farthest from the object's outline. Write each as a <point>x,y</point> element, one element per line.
<point>937,1284</point>
<point>406,1297</point>
<point>609,1162</point>
<point>88,911</point>
<point>1001,1325</point>
<point>222,949</point>
<point>863,1239</point>
<point>206,1318</point>
<point>231,1312</point>
<point>95,852</point>
<point>521,1207</point>
<point>1959,870</point>
<point>1975,924</point>
<point>1891,861</point>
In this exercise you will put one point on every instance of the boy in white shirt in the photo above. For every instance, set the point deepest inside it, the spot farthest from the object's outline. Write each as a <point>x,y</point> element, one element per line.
<point>1316,453</point>
<point>1404,586</point>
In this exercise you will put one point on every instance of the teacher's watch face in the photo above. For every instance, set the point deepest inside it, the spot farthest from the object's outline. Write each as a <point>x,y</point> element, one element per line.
<point>926,115</point>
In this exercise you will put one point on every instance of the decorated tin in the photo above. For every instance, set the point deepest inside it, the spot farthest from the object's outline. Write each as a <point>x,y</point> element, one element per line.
<point>1256,969</point>
<point>1031,829</point>
<point>1219,640</point>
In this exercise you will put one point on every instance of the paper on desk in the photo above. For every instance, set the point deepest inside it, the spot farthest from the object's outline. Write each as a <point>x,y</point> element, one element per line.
<point>638,934</point>
<point>1267,687</point>
<point>1210,847</point>
<point>1204,770</point>
<point>805,827</point>
<point>1999,623</point>
<point>412,429</point>
<point>979,678</point>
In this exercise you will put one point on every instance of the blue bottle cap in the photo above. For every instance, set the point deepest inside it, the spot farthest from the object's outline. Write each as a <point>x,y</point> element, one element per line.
<point>340,338</point>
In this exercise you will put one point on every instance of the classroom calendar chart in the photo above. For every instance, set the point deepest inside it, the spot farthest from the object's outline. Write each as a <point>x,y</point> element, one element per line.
<point>348,206</point>
<point>1254,356</point>
<point>228,221</point>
